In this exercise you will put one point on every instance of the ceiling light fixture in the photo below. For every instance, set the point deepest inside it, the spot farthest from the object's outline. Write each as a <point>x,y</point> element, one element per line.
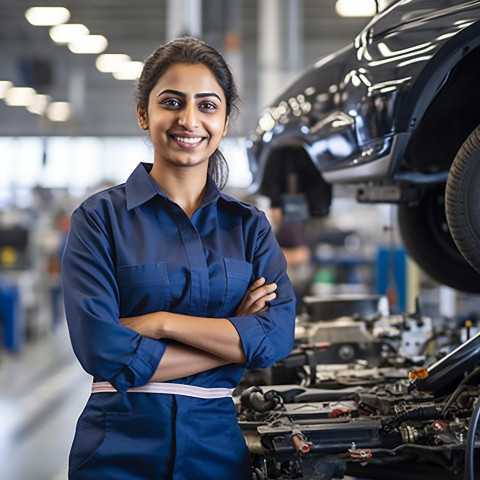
<point>45,16</point>
<point>110,62</point>
<point>68,32</point>
<point>88,44</point>
<point>128,71</point>
<point>5,85</point>
<point>59,111</point>
<point>39,104</point>
<point>355,8</point>
<point>20,96</point>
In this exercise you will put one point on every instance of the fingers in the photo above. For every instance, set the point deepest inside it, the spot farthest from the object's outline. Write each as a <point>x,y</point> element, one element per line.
<point>262,302</point>
<point>265,292</point>
<point>260,286</point>
<point>256,297</point>
<point>256,284</point>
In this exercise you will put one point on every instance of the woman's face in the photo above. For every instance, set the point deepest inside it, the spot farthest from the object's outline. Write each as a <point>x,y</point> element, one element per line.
<point>186,115</point>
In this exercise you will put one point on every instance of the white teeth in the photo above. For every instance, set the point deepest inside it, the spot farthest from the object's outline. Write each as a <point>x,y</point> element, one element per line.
<point>188,140</point>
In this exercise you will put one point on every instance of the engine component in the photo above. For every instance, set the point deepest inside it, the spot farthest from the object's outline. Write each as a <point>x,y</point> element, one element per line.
<point>387,428</point>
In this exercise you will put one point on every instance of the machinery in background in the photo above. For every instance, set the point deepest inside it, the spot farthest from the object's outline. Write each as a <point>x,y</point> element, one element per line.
<point>355,332</point>
<point>365,394</point>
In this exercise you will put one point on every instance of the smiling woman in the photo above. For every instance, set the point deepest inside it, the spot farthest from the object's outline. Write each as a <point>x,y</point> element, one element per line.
<point>186,124</point>
<point>172,289</point>
<point>179,53</point>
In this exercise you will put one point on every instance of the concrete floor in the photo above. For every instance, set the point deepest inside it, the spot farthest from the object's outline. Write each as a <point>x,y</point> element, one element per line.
<point>42,392</point>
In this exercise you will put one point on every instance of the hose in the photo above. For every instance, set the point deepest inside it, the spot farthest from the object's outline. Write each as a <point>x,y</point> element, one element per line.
<point>470,446</point>
<point>423,413</point>
<point>460,388</point>
<point>254,398</point>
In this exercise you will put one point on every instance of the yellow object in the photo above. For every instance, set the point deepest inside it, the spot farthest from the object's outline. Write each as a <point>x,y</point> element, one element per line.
<point>8,256</point>
<point>419,373</point>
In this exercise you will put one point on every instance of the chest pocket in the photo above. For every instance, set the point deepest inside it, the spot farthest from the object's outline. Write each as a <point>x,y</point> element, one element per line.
<point>143,288</point>
<point>239,277</point>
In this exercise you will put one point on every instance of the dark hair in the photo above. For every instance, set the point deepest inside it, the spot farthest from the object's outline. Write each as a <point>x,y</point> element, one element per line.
<point>192,51</point>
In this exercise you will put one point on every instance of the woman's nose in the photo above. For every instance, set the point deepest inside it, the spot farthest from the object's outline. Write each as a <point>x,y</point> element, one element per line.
<point>188,117</point>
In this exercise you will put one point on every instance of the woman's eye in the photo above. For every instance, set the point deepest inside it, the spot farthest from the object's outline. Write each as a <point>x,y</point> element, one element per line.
<point>171,102</point>
<point>208,106</point>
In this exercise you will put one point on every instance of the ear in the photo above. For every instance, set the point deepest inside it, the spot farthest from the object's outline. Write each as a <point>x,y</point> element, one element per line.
<point>142,117</point>
<point>226,126</point>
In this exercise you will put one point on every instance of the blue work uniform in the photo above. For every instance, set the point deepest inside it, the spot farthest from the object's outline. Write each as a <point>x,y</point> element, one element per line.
<point>133,251</point>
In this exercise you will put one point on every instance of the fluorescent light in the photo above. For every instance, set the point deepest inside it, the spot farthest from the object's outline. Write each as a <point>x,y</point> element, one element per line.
<point>110,62</point>
<point>59,111</point>
<point>267,122</point>
<point>39,104</point>
<point>5,85</point>
<point>128,71</point>
<point>68,32</point>
<point>20,96</point>
<point>355,8</point>
<point>47,15</point>
<point>89,44</point>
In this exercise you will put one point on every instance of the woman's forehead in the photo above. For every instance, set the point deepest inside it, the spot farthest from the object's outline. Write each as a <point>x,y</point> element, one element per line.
<point>189,78</point>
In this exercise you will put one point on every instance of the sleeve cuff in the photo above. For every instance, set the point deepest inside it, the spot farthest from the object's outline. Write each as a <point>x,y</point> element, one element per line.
<point>251,335</point>
<point>143,365</point>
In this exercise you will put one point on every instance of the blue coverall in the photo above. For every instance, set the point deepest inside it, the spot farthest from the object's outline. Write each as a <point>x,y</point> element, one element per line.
<point>132,251</point>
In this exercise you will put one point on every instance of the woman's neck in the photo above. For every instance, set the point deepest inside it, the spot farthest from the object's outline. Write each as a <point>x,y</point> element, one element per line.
<point>186,187</point>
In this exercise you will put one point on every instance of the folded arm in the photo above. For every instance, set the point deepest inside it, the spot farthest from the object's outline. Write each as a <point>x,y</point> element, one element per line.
<point>180,360</point>
<point>200,343</point>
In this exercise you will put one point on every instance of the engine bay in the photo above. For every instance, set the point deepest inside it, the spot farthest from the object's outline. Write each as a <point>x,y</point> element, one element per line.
<point>369,395</point>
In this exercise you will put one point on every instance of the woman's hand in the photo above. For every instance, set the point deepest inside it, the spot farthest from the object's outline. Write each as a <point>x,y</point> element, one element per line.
<point>256,298</point>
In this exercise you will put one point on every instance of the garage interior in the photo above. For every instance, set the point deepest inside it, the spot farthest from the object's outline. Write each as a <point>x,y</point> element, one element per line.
<point>363,303</point>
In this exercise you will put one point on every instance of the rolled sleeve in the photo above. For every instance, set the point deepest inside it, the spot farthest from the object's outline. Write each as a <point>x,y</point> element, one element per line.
<point>268,337</point>
<point>105,349</point>
<point>143,365</point>
<point>263,347</point>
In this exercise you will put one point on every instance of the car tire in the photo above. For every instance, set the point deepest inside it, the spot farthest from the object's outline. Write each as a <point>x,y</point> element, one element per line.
<point>427,238</point>
<point>462,199</point>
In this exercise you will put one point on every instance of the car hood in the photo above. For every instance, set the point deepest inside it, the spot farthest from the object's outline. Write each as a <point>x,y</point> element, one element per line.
<point>402,13</point>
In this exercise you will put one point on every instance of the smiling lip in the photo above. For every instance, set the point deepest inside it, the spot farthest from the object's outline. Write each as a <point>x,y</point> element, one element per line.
<point>188,142</point>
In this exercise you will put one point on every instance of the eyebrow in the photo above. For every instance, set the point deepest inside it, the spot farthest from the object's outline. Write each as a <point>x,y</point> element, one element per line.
<point>182,94</point>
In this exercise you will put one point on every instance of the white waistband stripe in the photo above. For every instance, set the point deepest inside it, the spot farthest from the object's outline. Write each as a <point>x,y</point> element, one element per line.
<point>171,388</point>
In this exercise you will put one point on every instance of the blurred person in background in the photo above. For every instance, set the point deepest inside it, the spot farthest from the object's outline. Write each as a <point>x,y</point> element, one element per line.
<point>292,238</point>
<point>287,176</point>
<point>172,289</point>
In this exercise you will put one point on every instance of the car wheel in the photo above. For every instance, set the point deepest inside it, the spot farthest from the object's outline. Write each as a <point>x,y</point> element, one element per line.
<point>427,239</point>
<point>462,199</point>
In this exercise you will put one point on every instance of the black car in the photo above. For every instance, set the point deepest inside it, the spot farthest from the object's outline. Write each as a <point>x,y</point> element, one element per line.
<point>391,113</point>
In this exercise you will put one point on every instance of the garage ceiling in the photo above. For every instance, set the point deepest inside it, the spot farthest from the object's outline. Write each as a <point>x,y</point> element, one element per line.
<point>103,106</point>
